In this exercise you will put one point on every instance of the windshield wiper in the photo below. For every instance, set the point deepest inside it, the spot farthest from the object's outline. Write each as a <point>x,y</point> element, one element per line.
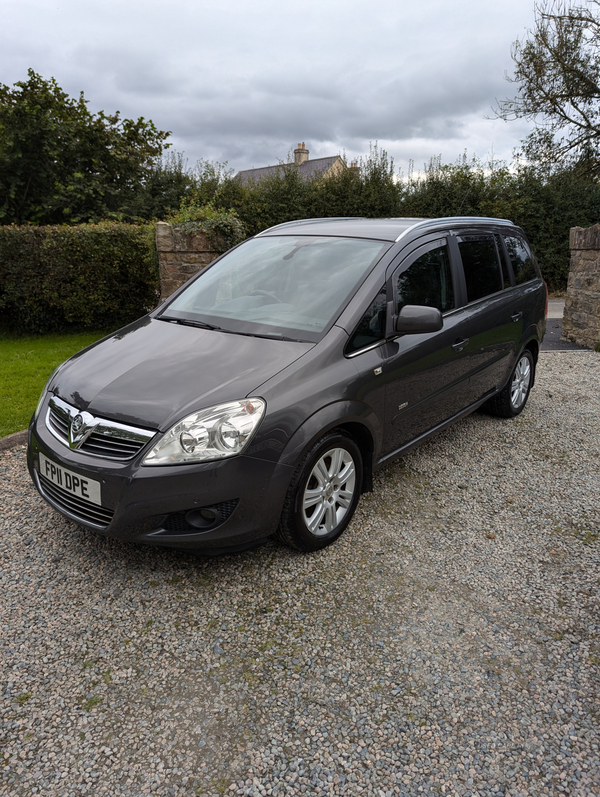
<point>187,323</point>
<point>203,325</point>
<point>274,336</point>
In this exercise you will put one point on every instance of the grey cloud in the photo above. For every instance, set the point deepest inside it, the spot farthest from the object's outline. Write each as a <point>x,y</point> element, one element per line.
<point>246,83</point>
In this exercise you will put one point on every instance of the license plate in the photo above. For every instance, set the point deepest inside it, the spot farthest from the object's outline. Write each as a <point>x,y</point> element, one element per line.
<point>74,483</point>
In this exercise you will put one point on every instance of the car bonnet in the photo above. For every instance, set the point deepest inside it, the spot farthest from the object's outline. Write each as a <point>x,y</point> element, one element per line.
<point>153,372</point>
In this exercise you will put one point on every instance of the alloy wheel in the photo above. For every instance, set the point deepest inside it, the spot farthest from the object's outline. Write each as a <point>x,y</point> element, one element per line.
<point>521,382</point>
<point>329,491</point>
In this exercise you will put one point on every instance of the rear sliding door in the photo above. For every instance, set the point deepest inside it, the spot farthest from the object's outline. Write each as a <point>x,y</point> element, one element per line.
<point>494,306</point>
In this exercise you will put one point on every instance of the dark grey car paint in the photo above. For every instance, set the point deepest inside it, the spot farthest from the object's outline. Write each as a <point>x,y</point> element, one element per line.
<point>154,372</point>
<point>388,397</point>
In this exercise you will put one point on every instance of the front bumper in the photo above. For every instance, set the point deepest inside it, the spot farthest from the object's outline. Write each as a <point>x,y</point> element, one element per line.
<point>154,504</point>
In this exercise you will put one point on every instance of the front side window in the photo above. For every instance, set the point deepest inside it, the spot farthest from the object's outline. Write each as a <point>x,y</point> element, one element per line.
<point>371,328</point>
<point>278,285</point>
<point>521,259</point>
<point>480,263</point>
<point>428,281</point>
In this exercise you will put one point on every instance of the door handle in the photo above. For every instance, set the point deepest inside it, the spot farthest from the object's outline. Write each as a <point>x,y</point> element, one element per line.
<point>460,344</point>
<point>515,316</point>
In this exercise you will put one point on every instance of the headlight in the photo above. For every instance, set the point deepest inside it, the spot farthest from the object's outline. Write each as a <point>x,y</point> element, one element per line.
<point>45,390</point>
<point>215,433</point>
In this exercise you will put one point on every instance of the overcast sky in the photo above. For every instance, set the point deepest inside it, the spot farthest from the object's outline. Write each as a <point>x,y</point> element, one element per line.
<point>244,82</point>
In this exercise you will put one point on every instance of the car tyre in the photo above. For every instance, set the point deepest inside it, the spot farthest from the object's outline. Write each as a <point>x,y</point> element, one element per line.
<point>512,399</point>
<point>323,494</point>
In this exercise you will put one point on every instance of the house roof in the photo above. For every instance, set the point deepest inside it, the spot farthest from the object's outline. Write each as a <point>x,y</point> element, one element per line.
<point>308,170</point>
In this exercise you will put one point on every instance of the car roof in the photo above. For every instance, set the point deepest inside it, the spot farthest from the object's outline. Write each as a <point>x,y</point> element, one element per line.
<point>381,229</point>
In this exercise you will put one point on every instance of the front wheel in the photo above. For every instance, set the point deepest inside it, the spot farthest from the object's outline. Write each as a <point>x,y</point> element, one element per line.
<point>323,494</point>
<point>511,400</point>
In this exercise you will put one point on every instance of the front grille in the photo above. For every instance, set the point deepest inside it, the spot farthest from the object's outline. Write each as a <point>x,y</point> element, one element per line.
<point>76,507</point>
<point>58,424</point>
<point>104,445</point>
<point>107,439</point>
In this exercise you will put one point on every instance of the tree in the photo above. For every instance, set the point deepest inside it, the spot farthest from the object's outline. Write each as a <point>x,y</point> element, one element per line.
<point>61,163</point>
<point>166,183</point>
<point>557,69</point>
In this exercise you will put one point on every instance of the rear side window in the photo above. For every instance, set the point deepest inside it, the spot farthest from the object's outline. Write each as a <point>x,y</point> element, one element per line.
<point>481,266</point>
<point>428,281</point>
<point>521,259</point>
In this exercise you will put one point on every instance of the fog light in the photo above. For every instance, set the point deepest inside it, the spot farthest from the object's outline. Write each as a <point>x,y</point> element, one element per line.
<point>202,518</point>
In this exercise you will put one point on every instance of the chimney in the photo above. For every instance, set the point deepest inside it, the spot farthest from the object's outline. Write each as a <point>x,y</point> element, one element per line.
<point>354,168</point>
<point>300,154</point>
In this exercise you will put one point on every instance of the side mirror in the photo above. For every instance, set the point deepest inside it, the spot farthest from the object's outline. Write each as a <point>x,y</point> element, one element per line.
<point>414,319</point>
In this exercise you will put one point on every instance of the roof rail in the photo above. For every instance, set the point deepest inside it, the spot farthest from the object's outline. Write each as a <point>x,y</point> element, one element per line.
<point>418,223</point>
<point>450,220</point>
<point>306,221</point>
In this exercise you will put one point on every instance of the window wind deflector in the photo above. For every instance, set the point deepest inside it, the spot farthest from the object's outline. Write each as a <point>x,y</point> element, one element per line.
<point>187,323</point>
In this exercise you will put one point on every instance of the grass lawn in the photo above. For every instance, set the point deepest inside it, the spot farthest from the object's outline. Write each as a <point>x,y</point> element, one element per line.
<point>25,364</point>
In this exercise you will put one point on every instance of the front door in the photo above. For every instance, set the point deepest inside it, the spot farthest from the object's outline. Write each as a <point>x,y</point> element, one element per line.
<point>426,375</point>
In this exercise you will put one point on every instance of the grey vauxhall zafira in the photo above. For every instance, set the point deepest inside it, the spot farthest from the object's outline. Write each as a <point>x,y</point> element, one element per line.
<point>262,395</point>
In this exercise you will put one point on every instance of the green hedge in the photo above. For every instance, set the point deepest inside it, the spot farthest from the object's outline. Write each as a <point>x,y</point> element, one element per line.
<point>546,206</point>
<point>89,276</point>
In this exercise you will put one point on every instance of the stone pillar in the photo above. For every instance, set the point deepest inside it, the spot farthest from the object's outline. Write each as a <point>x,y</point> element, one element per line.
<point>581,319</point>
<point>180,256</point>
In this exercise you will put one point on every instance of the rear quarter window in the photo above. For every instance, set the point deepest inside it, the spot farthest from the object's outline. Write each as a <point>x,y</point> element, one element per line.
<point>521,259</point>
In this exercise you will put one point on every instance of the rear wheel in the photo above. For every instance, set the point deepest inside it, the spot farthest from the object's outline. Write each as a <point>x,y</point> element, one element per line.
<point>511,400</point>
<point>323,494</point>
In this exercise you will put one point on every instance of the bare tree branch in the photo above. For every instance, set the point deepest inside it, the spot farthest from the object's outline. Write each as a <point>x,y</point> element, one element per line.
<point>557,71</point>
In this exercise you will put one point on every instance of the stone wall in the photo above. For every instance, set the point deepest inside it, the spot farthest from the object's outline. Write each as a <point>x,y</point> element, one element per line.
<point>180,256</point>
<point>581,319</point>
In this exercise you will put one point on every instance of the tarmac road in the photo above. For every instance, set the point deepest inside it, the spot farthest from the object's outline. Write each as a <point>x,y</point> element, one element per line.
<point>552,341</point>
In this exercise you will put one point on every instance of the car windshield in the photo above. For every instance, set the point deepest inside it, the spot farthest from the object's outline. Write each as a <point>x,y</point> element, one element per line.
<point>278,286</point>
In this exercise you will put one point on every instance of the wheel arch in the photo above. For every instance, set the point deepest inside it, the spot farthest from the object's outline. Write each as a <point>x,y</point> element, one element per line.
<point>364,440</point>
<point>354,419</point>
<point>534,347</point>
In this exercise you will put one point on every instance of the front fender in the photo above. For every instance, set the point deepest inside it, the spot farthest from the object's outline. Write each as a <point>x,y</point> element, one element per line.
<point>354,417</point>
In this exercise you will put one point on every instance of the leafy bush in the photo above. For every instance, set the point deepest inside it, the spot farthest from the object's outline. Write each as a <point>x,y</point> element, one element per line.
<point>372,191</point>
<point>222,227</point>
<point>89,276</point>
<point>546,205</point>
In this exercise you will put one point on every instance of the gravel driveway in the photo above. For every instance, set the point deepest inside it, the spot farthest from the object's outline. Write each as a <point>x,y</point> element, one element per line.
<point>447,643</point>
